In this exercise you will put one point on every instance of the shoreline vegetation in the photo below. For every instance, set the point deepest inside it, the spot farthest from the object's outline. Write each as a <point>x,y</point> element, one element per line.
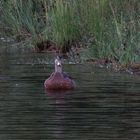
<point>103,32</point>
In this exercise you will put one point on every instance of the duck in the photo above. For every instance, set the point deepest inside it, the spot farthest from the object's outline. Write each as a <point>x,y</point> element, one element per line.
<point>59,80</point>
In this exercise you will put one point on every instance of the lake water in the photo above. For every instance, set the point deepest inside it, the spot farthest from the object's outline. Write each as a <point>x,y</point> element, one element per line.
<point>104,106</point>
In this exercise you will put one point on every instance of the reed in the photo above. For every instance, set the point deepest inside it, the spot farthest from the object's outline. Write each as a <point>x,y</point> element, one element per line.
<point>64,22</point>
<point>116,32</point>
<point>126,29</point>
<point>113,26</point>
<point>24,19</point>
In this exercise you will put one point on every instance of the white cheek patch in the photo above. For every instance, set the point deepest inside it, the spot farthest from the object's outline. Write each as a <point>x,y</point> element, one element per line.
<point>59,64</point>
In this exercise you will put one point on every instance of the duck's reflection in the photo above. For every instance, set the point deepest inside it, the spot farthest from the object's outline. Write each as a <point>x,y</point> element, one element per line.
<point>59,105</point>
<point>58,94</point>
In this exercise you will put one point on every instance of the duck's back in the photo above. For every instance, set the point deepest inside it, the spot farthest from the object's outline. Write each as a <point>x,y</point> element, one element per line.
<point>59,81</point>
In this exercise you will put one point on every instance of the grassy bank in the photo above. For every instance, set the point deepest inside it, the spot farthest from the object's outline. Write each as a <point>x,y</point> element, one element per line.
<point>107,29</point>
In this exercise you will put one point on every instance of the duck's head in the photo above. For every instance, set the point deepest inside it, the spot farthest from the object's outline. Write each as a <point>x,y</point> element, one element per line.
<point>58,65</point>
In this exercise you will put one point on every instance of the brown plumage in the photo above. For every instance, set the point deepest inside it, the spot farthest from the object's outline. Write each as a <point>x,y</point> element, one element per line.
<point>58,79</point>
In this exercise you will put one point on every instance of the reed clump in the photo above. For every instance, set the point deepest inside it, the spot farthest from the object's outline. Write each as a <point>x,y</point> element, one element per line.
<point>109,29</point>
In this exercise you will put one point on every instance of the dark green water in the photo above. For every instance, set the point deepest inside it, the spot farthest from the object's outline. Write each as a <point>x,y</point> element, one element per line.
<point>105,105</point>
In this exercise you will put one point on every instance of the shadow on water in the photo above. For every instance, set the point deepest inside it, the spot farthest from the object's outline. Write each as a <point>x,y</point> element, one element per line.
<point>104,106</point>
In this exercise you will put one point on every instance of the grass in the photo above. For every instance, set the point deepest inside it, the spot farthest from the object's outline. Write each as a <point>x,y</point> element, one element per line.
<point>24,19</point>
<point>117,33</point>
<point>64,23</point>
<point>110,29</point>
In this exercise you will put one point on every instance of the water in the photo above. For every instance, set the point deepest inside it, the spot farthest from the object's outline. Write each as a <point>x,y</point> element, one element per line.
<point>104,106</point>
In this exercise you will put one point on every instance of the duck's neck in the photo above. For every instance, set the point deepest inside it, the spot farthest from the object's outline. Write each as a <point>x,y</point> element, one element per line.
<point>58,69</point>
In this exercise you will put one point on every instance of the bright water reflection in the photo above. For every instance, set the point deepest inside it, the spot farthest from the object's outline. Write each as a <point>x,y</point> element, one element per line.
<point>105,105</point>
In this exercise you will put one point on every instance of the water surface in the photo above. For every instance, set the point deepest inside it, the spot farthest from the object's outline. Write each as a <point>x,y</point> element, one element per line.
<point>104,106</point>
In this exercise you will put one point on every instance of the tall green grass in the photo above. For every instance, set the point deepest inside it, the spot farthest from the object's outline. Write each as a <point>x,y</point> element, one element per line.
<point>25,19</point>
<point>127,30</point>
<point>64,22</point>
<point>115,25</point>
<point>109,28</point>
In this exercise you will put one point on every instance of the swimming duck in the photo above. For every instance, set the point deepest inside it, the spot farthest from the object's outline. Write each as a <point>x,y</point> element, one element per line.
<point>59,80</point>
